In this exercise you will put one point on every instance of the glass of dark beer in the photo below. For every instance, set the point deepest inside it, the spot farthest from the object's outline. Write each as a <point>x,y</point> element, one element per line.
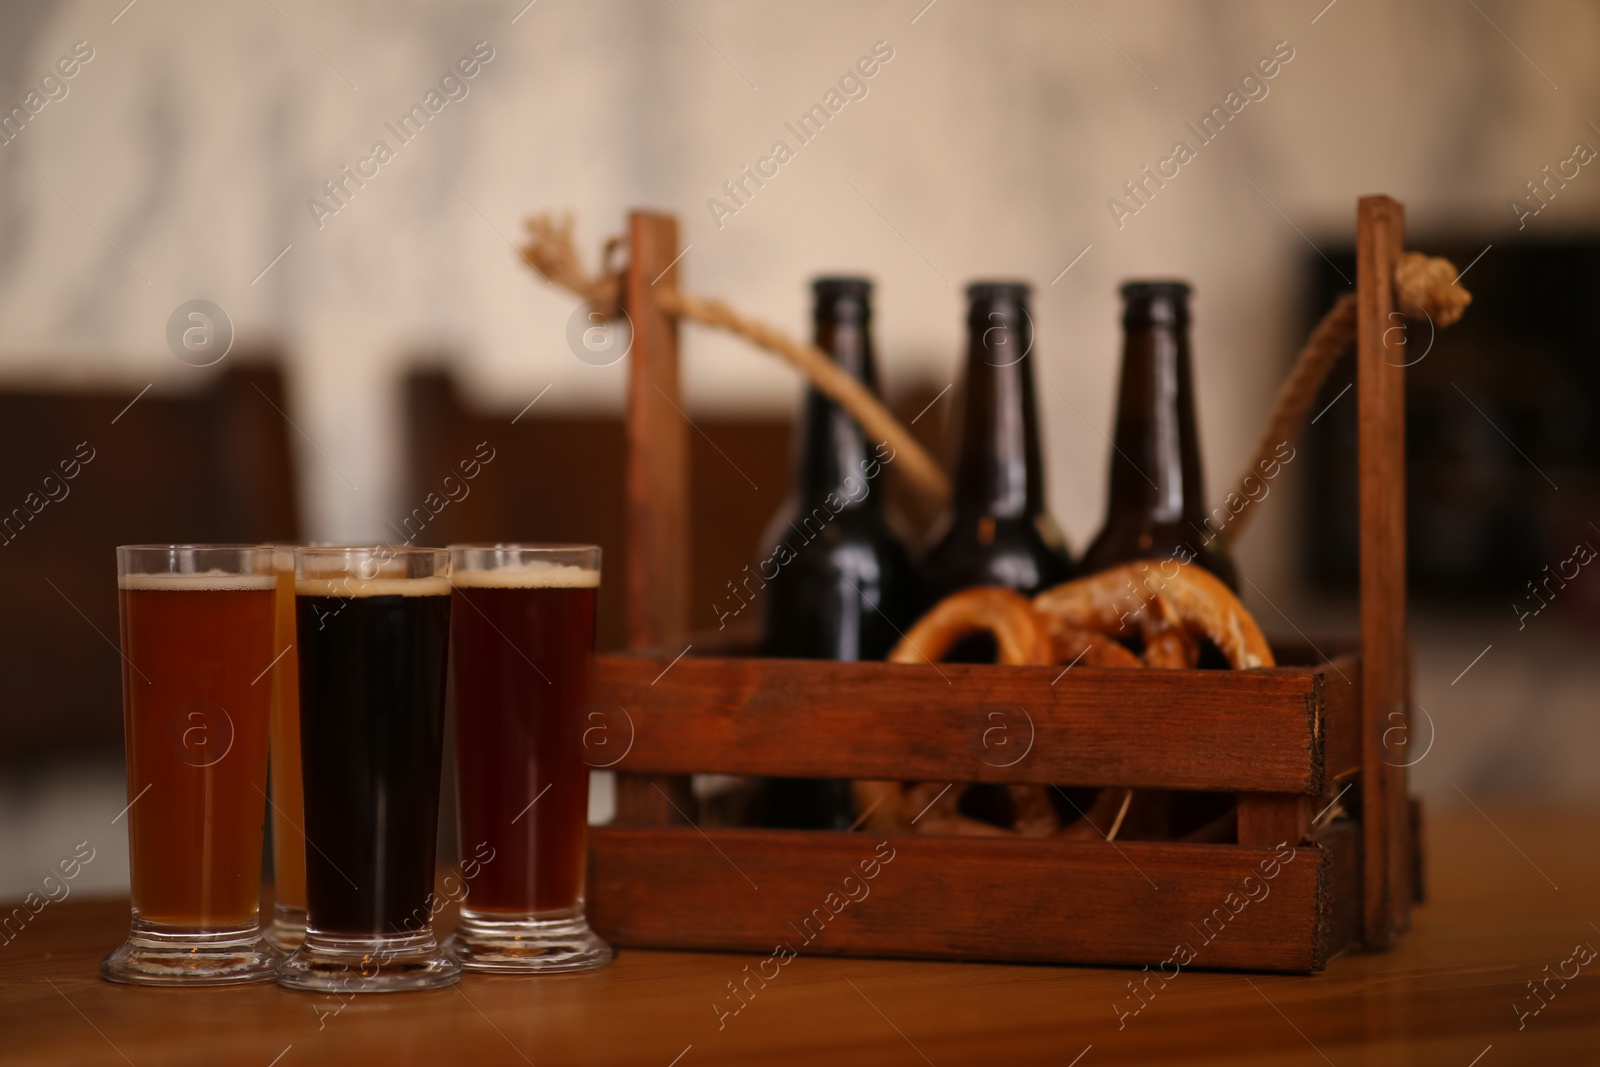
<point>196,635</point>
<point>522,632</point>
<point>372,626</point>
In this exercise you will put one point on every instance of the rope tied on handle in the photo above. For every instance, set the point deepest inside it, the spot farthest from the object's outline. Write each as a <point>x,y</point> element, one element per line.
<point>1425,287</point>
<point>551,252</point>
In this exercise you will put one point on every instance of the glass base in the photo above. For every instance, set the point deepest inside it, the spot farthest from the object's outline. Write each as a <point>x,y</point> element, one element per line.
<point>548,944</point>
<point>175,955</point>
<point>288,928</point>
<point>368,963</point>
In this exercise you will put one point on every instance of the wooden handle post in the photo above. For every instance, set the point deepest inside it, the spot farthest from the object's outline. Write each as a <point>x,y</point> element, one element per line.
<point>657,488</point>
<point>1380,375</point>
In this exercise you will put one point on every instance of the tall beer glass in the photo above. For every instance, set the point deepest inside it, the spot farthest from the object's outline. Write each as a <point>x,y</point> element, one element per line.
<point>373,627</point>
<point>288,925</point>
<point>522,632</point>
<point>196,637</point>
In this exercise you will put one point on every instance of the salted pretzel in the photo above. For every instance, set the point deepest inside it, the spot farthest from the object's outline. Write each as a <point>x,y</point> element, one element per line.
<point>1166,603</point>
<point>1087,648</point>
<point>1006,615</point>
<point>1169,605</point>
<point>1022,639</point>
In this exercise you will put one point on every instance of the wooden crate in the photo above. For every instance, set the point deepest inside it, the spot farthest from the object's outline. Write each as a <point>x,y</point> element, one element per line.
<point>1287,741</point>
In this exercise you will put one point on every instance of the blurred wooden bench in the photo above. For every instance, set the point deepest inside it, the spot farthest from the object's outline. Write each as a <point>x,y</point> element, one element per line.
<point>557,475</point>
<point>208,463</point>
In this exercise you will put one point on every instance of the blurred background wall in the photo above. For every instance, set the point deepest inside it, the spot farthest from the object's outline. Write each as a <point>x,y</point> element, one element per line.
<point>180,162</point>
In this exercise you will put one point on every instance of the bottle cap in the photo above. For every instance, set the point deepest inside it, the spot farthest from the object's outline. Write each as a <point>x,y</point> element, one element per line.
<point>844,298</point>
<point>841,285</point>
<point>1155,302</point>
<point>999,290</point>
<point>1149,289</point>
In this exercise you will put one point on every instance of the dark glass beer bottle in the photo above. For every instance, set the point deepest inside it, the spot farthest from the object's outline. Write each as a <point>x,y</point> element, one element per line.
<point>998,531</point>
<point>839,585</point>
<point>1156,508</point>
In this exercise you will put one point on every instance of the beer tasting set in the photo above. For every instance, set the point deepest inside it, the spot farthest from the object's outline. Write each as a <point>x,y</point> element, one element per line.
<point>343,657</point>
<point>986,749</point>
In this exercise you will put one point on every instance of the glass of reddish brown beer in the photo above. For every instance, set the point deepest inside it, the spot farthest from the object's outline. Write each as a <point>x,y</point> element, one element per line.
<point>522,634</point>
<point>196,638</point>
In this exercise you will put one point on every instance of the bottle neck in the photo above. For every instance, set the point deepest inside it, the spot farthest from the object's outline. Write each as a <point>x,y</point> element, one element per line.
<point>998,472</point>
<point>1155,466</point>
<point>833,455</point>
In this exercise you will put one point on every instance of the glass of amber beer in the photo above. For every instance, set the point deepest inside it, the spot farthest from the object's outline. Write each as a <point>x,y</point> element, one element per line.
<point>372,627</point>
<point>288,927</point>
<point>522,633</point>
<point>196,637</point>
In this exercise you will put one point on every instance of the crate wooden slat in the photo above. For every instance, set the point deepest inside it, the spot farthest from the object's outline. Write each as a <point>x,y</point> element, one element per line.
<point>972,898</point>
<point>1341,716</point>
<point>1262,731</point>
<point>1339,907</point>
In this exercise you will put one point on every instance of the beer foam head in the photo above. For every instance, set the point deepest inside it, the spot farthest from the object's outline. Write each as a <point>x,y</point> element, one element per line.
<point>212,580</point>
<point>348,586</point>
<point>533,574</point>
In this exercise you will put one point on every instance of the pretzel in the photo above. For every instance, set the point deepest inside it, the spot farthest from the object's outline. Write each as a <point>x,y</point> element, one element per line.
<point>1169,606</point>
<point>1164,602</point>
<point>1017,629</point>
<point>1102,819</point>
<point>1072,645</point>
<point>1167,643</point>
<point>1023,639</point>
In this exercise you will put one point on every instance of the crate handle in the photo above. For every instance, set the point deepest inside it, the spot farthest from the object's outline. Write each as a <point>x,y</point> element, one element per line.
<point>1387,845</point>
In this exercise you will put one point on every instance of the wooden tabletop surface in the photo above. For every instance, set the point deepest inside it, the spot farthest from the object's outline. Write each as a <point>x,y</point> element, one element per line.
<point>1508,898</point>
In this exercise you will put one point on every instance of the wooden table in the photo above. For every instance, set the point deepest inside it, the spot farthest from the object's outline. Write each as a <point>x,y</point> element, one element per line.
<point>1506,899</point>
